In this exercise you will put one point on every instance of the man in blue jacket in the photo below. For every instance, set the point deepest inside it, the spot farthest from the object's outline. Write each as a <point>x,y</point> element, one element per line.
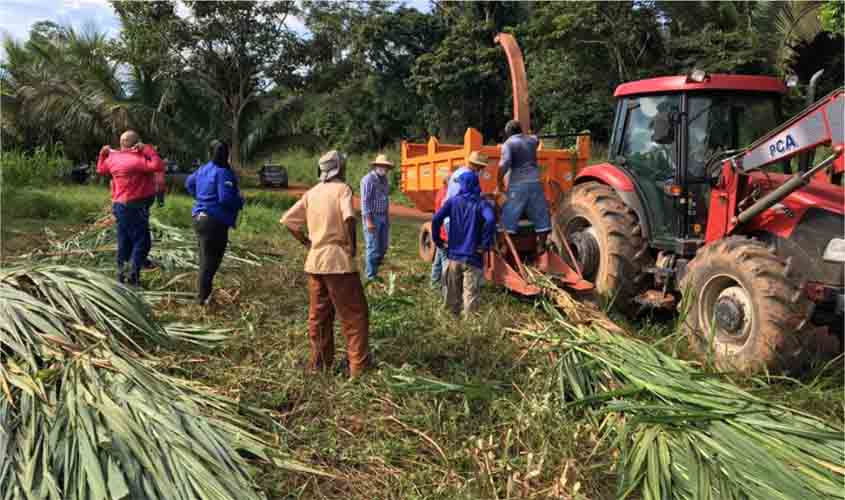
<point>218,200</point>
<point>472,226</point>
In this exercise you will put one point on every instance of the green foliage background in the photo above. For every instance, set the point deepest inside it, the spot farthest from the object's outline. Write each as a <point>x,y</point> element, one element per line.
<point>361,76</point>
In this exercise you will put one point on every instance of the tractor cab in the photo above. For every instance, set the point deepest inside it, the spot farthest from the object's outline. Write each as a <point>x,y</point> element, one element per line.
<point>699,201</point>
<point>717,114</point>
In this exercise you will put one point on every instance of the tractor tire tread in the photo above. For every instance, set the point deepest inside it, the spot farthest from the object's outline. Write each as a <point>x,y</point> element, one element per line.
<point>782,309</point>
<point>628,254</point>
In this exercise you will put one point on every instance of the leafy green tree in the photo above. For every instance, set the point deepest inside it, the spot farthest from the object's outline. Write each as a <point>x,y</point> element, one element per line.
<point>832,17</point>
<point>359,60</point>
<point>578,52</point>
<point>238,50</point>
<point>63,87</point>
<point>464,78</point>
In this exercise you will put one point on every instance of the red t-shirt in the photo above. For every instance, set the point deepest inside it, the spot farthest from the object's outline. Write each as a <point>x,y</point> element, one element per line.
<point>133,173</point>
<point>438,202</point>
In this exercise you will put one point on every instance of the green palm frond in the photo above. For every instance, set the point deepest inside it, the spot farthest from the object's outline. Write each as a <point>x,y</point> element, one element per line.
<point>685,434</point>
<point>268,125</point>
<point>84,415</point>
<point>84,297</point>
<point>175,248</point>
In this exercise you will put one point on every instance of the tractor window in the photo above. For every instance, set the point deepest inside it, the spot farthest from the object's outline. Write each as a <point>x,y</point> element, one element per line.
<point>718,122</point>
<point>642,154</point>
<point>650,163</point>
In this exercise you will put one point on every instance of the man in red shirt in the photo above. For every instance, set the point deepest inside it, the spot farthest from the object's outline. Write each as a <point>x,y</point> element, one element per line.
<point>133,169</point>
<point>439,254</point>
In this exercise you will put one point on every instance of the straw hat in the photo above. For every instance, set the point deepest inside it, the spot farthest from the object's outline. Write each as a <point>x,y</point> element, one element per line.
<point>330,165</point>
<point>477,159</point>
<point>381,161</point>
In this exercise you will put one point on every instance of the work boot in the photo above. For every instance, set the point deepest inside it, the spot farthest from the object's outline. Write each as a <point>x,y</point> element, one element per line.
<point>121,273</point>
<point>134,277</point>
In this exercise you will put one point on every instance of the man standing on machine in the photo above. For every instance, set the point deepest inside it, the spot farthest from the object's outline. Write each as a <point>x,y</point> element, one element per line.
<point>525,192</point>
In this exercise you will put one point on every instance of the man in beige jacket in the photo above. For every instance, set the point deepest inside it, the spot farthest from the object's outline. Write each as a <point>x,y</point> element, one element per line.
<point>334,286</point>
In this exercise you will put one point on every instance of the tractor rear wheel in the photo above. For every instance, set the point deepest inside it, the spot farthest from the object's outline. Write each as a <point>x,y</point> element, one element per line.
<point>605,237</point>
<point>745,306</point>
<point>426,243</point>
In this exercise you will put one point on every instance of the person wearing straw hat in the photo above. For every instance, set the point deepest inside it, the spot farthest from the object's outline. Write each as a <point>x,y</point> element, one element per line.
<point>375,206</point>
<point>475,162</point>
<point>334,286</point>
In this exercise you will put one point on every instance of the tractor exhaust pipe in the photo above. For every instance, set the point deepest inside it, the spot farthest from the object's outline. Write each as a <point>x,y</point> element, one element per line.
<point>806,158</point>
<point>794,183</point>
<point>519,82</point>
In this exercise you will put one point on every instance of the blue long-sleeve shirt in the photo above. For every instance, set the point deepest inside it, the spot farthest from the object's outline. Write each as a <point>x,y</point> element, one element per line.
<point>216,192</point>
<point>472,226</point>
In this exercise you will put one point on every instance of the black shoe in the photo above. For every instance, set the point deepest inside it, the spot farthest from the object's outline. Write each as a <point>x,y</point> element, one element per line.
<point>343,367</point>
<point>150,264</point>
<point>134,278</point>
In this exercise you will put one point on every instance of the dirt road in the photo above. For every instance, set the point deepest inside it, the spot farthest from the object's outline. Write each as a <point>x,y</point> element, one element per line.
<point>395,210</point>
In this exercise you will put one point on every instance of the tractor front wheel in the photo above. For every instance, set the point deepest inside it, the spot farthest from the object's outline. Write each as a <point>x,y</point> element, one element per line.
<point>605,237</point>
<point>744,307</point>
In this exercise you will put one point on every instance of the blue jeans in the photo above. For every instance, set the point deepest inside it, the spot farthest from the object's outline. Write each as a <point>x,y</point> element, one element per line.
<point>527,199</point>
<point>133,235</point>
<point>377,243</point>
<point>437,267</point>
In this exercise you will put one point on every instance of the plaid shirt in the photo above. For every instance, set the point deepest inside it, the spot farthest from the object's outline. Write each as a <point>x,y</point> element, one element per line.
<point>374,195</point>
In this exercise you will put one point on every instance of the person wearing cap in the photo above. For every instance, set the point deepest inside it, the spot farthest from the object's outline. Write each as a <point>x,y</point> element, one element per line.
<point>132,168</point>
<point>375,205</point>
<point>471,231</point>
<point>334,286</point>
<point>524,192</point>
<point>217,203</point>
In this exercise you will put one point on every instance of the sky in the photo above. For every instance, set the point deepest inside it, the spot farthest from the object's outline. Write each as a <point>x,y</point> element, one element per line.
<point>16,16</point>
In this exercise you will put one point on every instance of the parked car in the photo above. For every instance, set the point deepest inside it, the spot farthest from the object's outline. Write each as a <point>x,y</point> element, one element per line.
<point>175,175</point>
<point>273,176</point>
<point>79,174</point>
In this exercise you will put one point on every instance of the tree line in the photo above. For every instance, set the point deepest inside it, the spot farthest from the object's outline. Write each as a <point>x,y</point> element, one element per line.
<point>365,74</point>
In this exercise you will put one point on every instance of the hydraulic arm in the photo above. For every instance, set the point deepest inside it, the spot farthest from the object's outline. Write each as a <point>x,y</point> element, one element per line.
<point>819,124</point>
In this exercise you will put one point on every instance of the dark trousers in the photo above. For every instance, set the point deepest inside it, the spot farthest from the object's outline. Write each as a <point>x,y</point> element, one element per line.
<point>133,238</point>
<point>340,294</point>
<point>213,236</point>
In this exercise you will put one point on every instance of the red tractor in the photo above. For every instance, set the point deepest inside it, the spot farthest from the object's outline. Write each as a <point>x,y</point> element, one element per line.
<point>749,245</point>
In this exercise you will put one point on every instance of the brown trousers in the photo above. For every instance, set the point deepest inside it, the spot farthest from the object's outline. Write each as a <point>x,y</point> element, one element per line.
<point>342,294</point>
<point>462,289</point>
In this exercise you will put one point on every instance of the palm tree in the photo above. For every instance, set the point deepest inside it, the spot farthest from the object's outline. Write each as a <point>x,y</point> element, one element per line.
<point>66,87</point>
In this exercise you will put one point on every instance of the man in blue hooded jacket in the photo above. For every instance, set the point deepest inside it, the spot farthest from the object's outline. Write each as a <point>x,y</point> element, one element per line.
<point>217,203</point>
<point>472,226</point>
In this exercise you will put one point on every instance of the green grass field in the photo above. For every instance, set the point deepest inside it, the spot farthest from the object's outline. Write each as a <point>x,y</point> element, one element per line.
<point>498,433</point>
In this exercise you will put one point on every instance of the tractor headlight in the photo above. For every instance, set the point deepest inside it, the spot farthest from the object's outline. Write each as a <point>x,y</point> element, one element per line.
<point>697,76</point>
<point>835,251</point>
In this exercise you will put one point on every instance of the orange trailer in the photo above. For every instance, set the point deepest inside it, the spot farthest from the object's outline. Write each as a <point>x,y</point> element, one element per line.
<point>424,166</point>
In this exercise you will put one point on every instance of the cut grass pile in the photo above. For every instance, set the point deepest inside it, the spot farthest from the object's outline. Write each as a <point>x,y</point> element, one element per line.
<point>685,434</point>
<point>456,409</point>
<point>85,413</point>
